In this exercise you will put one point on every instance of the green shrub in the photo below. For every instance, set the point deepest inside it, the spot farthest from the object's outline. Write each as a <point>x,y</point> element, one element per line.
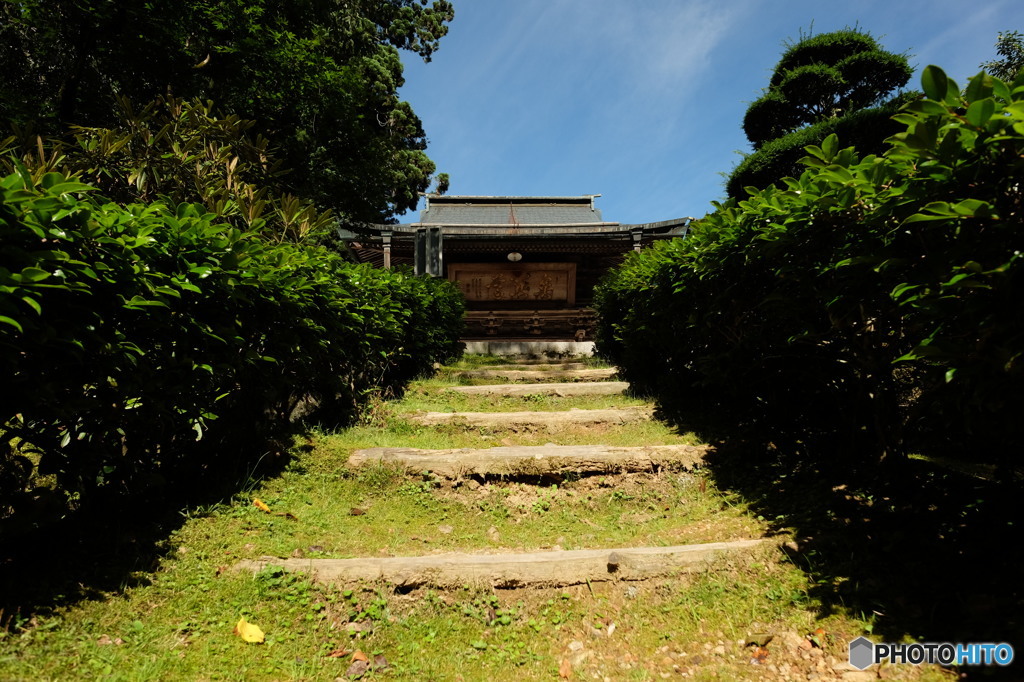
<point>178,151</point>
<point>628,314</point>
<point>141,341</point>
<point>869,306</point>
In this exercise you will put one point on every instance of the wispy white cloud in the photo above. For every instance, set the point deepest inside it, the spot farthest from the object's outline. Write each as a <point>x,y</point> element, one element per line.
<point>642,100</point>
<point>955,47</point>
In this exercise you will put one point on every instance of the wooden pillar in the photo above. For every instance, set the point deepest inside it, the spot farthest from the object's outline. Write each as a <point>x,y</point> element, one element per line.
<point>435,252</point>
<point>419,253</point>
<point>386,236</point>
<point>428,253</point>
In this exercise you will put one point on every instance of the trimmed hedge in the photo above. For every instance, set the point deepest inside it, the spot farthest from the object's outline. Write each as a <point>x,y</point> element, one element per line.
<point>871,306</point>
<point>139,342</point>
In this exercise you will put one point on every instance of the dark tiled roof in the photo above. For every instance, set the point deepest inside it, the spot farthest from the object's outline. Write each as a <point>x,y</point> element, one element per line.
<point>510,211</point>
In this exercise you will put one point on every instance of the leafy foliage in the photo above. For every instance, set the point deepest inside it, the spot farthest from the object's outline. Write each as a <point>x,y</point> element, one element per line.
<point>139,341</point>
<point>615,298</point>
<point>870,305</point>
<point>161,299</point>
<point>320,78</point>
<point>820,85</point>
<point>178,151</point>
<point>1010,48</point>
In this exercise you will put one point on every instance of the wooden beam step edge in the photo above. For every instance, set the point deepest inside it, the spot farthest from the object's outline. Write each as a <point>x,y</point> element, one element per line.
<point>548,389</point>
<point>534,569</point>
<point>533,460</point>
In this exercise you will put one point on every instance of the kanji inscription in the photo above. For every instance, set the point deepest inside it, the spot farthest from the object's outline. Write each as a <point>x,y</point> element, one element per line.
<point>538,282</point>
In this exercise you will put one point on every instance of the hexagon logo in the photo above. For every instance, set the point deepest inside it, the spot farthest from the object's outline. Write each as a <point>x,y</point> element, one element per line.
<point>862,653</point>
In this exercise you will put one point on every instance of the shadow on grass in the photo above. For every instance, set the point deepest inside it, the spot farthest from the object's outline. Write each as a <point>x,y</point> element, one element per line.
<point>921,551</point>
<point>116,543</point>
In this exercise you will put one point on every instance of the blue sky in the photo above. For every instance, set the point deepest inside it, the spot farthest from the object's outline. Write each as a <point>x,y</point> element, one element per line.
<point>642,100</point>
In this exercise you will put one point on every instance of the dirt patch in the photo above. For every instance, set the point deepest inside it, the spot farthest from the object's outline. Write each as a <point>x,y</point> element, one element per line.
<point>524,498</point>
<point>655,486</point>
<point>603,631</point>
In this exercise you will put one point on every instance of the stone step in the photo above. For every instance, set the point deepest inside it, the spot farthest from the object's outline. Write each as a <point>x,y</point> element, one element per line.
<point>539,366</point>
<point>554,389</point>
<point>535,569</point>
<point>539,374</point>
<point>574,417</point>
<point>533,460</point>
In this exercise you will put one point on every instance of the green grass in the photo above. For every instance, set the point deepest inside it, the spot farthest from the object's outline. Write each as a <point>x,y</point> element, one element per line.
<point>311,506</point>
<point>174,620</point>
<point>180,628</point>
<point>398,433</point>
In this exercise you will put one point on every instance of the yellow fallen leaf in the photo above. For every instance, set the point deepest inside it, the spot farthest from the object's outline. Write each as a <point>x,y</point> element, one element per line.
<point>260,504</point>
<point>249,632</point>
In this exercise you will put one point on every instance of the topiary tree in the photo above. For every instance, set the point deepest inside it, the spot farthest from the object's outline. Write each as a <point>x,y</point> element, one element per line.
<point>838,82</point>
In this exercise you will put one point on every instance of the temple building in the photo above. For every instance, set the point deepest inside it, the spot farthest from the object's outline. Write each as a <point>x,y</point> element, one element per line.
<point>527,265</point>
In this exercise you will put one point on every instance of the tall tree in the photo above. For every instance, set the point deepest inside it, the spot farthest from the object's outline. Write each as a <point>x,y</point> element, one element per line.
<point>319,77</point>
<point>839,82</point>
<point>1010,48</point>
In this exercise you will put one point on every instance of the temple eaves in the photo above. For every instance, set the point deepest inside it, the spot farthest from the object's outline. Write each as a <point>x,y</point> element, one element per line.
<point>544,218</point>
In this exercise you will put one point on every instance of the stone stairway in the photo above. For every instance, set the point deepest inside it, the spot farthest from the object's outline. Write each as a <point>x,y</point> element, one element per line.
<point>512,462</point>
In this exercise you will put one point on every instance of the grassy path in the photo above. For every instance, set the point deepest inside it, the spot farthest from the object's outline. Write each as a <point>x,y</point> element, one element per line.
<point>175,620</point>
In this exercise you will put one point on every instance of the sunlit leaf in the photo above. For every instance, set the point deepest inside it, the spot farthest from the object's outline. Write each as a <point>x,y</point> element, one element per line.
<point>980,111</point>
<point>934,82</point>
<point>249,632</point>
<point>12,322</point>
